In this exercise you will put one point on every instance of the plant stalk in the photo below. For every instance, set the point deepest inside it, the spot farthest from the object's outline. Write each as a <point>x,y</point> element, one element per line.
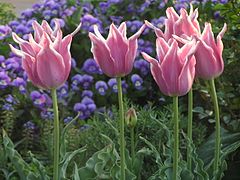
<point>176,137</point>
<point>55,136</point>
<point>189,129</point>
<point>217,125</point>
<point>122,140</point>
<point>132,144</point>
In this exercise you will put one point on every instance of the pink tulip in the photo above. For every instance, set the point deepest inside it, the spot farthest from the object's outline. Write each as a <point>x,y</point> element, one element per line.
<point>183,26</point>
<point>115,55</point>
<point>209,54</point>
<point>46,56</point>
<point>174,70</point>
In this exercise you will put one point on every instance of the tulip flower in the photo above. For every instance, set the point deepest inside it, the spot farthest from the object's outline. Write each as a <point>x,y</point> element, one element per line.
<point>46,56</point>
<point>174,70</point>
<point>183,26</point>
<point>47,62</point>
<point>115,55</point>
<point>209,54</point>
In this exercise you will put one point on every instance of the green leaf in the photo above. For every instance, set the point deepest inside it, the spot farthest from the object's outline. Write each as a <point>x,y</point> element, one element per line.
<point>67,159</point>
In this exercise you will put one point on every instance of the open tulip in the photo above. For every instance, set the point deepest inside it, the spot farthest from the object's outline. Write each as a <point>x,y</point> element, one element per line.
<point>115,55</point>
<point>209,54</point>
<point>174,70</point>
<point>46,56</point>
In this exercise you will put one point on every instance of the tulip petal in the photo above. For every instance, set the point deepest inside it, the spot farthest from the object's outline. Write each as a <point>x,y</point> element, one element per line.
<point>118,54</point>
<point>56,27</point>
<point>158,31</point>
<point>16,51</point>
<point>47,28</point>
<point>184,25</point>
<point>206,64</point>
<point>66,54</point>
<point>123,29</point>
<point>187,50</point>
<point>132,50</point>
<point>98,34</point>
<point>50,67</point>
<point>161,49</point>
<point>171,68</point>
<point>38,31</point>
<point>156,71</point>
<point>208,36</point>
<point>102,55</point>
<point>187,75</point>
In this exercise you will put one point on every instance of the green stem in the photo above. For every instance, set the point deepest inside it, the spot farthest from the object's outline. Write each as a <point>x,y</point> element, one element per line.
<point>217,128</point>
<point>132,144</point>
<point>55,136</point>
<point>176,137</point>
<point>122,140</point>
<point>189,130</point>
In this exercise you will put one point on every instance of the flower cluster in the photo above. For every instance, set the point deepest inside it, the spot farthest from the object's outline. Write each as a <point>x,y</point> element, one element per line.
<point>86,79</point>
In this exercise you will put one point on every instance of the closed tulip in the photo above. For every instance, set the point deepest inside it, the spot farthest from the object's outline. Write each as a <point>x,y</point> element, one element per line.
<point>209,54</point>
<point>183,25</point>
<point>174,68</point>
<point>115,55</point>
<point>46,56</point>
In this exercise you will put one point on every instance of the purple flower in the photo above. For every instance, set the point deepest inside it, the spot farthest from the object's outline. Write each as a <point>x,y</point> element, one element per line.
<point>20,83</point>
<point>87,93</point>
<point>86,81</point>
<point>4,80</point>
<point>86,7</point>
<point>63,90</point>
<point>116,19</point>
<point>13,63</point>
<point>90,106</point>
<point>80,108</point>
<point>134,25</point>
<point>101,87</point>
<point>112,83</point>
<point>90,66</point>
<point>67,119</point>
<point>40,100</point>
<point>47,115</point>
<point>68,12</point>
<point>10,99</point>
<point>27,13</point>
<point>61,21</point>
<point>76,80</point>
<point>137,81</point>
<point>47,14</point>
<point>143,66</point>
<point>29,125</point>
<point>159,22</point>
<point>22,29</point>
<point>87,22</point>
<point>223,1</point>
<point>73,63</point>
<point>4,31</point>
<point>7,107</point>
<point>104,6</point>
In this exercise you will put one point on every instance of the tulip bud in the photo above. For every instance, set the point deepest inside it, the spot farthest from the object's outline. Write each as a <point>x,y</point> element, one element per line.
<point>131,118</point>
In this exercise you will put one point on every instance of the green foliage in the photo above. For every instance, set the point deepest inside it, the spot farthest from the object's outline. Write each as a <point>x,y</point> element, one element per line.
<point>6,13</point>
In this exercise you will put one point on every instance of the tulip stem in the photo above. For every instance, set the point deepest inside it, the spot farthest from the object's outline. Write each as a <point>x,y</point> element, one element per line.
<point>132,144</point>
<point>189,129</point>
<point>122,140</point>
<point>176,137</point>
<point>217,127</point>
<point>55,136</point>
